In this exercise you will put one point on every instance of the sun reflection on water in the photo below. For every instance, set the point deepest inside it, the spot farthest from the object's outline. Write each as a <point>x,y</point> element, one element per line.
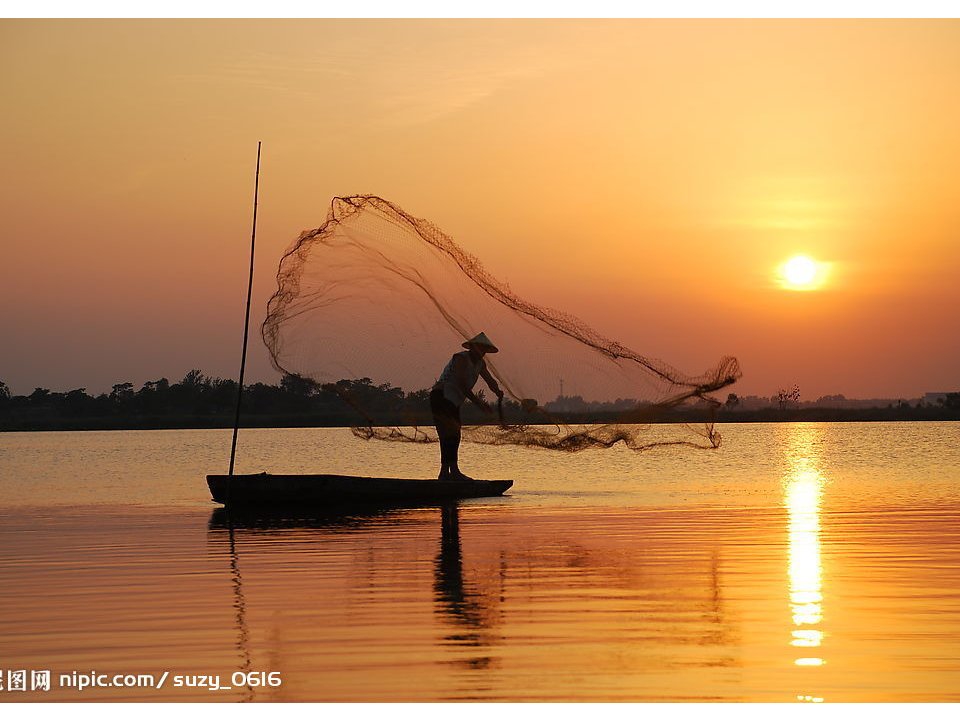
<point>803,487</point>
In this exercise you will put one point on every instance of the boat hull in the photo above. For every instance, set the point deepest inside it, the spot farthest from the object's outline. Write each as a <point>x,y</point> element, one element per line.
<point>265,490</point>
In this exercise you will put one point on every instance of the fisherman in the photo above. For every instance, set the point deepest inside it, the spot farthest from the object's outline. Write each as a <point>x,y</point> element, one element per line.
<point>454,386</point>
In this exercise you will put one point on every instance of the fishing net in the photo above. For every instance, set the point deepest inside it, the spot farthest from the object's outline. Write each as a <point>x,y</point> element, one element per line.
<point>373,303</point>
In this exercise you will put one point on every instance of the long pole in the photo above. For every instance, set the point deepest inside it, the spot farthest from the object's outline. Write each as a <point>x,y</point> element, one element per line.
<point>246,320</point>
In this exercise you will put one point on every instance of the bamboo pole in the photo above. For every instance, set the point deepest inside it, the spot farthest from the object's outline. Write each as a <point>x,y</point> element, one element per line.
<point>246,320</point>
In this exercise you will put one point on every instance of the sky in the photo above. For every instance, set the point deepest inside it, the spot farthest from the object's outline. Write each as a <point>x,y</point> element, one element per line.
<point>649,176</point>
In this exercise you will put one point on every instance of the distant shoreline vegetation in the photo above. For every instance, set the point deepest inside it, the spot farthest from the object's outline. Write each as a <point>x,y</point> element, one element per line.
<point>198,401</point>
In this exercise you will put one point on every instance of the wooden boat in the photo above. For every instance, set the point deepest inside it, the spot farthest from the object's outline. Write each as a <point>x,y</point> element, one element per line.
<point>265,490</point>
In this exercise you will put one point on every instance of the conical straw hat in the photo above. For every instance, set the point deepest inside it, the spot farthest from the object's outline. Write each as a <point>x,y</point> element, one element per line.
<point>483,341</point>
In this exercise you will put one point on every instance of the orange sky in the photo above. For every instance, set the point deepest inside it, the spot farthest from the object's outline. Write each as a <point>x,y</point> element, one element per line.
<point>648,176</point>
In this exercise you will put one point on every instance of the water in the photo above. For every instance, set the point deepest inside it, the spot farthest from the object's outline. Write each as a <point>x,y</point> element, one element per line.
<point>800,562</point>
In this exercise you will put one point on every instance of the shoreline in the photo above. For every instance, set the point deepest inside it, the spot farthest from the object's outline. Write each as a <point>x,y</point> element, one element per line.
<point>224,421</point>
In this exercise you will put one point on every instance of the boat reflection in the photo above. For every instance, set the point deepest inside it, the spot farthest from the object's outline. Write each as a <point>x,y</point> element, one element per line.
<point>803,488</point>
<point>268,520</point>
<point>227,525</point>
<point>471,607</point>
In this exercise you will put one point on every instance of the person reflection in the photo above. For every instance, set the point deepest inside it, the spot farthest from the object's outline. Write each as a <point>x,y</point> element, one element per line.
<point>468,606</point>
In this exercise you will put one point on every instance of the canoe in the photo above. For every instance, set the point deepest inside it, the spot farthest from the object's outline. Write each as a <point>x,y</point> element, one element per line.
<point>265,490</point>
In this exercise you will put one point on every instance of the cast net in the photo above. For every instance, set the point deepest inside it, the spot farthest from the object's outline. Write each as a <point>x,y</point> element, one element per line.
<point>372,304</point>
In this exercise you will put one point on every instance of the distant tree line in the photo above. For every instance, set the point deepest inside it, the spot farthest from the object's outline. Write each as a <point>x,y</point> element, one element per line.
<point>786,405</point>
<point>789,400</point>
<point>199,401</point>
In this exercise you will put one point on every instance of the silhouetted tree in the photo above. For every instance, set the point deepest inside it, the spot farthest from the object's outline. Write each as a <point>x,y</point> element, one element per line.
<point>364,394</point>
<point>221,394</point>
<point>122,392</point>
<point>732,401</point>
<point>153,397</point>
<point>261,398</point>
<point>298,385</point>
<point>419,397</point>
<point>77,403</point>
<point>192,393</point>
<point>194,378</point>
<point>784,397</point>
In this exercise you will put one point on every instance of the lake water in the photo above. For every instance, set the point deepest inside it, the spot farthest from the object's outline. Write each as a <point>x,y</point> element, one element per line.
<point>800,562</point>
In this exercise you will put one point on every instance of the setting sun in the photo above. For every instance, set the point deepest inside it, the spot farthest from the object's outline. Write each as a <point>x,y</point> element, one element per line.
<point>801,273</point>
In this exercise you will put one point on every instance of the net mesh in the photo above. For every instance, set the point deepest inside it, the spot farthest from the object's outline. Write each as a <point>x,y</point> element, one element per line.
<point>375,293</point>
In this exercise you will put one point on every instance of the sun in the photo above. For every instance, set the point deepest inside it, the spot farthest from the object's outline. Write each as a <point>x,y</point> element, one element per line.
<point>800,270</point>
<point>801,273</point>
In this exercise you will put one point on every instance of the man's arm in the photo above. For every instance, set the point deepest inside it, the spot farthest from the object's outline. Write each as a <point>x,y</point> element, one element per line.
<point>460,371</point>
<point>485,374</point>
